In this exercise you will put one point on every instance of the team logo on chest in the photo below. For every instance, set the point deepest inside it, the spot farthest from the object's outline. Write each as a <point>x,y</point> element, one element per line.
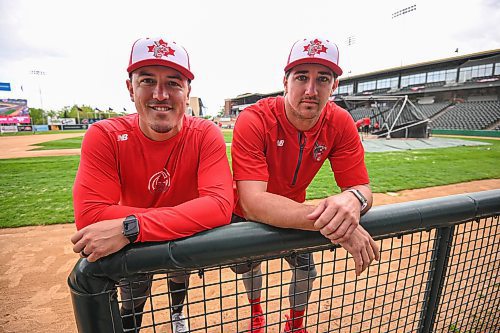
<point>318,151</point>
<point>159,182</point>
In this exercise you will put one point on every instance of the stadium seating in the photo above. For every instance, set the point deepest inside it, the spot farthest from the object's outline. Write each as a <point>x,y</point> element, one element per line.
<point>475,115</point>
<point>364,112</point>
<point>383,115</point>
<point>429,110</point>
<point>360,113</point>
<point>468,116</point>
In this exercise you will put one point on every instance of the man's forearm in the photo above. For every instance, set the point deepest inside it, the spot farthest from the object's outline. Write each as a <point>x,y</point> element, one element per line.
<point>278,211</point>
<point>95,212</point>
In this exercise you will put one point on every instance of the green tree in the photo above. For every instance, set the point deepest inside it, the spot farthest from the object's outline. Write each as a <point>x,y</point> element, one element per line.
<point>73,112</point>
<point>38,116</point>
<point>79,112</point>
<point>65,112</point>
<point>52,113</point>
<point>87,112</point>
<point>221,112</point>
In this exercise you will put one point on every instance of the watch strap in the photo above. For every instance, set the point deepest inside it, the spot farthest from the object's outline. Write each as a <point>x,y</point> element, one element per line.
<point>361,198</point>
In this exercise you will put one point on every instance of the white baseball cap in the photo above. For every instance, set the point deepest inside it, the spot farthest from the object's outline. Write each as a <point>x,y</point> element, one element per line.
<point>158,51</point>
<point>314,51</point>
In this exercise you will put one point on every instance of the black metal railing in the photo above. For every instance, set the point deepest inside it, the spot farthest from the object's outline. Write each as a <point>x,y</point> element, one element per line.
<point>439,272</point>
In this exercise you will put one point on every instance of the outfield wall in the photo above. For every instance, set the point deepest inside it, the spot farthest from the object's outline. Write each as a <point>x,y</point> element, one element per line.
<point>482,133</point>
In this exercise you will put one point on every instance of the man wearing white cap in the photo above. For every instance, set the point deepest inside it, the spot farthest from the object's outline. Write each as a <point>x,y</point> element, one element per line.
<point>155,175</point>
<point>279,145</point>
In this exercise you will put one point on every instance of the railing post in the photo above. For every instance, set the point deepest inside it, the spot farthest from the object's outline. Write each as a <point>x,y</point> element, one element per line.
<point>436,276</point>
<point>95,299</point>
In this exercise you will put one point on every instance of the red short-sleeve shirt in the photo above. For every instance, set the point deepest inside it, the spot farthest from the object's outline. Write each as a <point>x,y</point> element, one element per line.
<point>267,147</point>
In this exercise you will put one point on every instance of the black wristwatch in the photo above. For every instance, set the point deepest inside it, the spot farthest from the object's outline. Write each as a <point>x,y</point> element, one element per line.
<point>131,228</point>
<point>360,197</point>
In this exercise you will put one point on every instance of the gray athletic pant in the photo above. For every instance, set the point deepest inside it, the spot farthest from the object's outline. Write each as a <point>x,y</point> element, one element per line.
<point>304,274</point>
<point>134,292</point>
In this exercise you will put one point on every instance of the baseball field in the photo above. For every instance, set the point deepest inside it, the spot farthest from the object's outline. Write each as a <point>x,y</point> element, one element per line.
<point>36,214</point>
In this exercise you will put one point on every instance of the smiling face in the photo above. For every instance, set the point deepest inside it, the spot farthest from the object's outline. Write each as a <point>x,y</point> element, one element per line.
<point>160,95</point>
<point>307,89</point>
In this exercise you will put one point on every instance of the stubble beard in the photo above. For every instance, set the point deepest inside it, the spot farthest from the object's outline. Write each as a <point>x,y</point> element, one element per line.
<point>161,129</point>
<point>307,112</point>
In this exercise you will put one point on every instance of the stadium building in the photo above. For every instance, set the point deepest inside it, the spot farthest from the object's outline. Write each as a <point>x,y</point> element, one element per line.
<point>456,95</point>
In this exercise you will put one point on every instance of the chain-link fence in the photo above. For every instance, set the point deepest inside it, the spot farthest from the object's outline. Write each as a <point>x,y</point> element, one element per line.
<point>438,272</point>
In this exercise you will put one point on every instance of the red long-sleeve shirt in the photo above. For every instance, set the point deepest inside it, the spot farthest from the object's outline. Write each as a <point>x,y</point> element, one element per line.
<point>176,187</point>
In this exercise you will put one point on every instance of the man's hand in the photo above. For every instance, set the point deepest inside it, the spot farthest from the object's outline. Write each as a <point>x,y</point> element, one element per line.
<point>363,249</point>
<point>99,239</point>
<point>337,217</point>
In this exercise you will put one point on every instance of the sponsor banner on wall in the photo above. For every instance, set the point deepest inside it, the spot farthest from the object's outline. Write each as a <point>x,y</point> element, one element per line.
<point>15,120</point>
<point>5,86</point>
<point>75,127</point>
<point>8,129</point>
<point>61,121</point>
<point>89,120</point>
<point>41,128</point>
<point>25,128</point>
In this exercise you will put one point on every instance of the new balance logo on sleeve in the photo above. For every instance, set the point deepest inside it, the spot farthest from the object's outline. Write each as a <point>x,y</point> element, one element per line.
<point>280,143</point>
<point>123,137</point>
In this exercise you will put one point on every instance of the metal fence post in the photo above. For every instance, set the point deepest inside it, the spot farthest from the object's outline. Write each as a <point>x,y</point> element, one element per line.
<point>436,276</point>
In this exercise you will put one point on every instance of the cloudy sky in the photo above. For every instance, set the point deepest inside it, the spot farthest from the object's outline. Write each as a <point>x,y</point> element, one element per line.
<point>235,46</point>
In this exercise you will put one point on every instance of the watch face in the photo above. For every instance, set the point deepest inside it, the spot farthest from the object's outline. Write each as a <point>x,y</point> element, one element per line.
<point>130,227</point>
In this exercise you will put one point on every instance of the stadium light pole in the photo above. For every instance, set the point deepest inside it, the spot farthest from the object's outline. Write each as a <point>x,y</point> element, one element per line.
<point>39,73</point>
<point>398,15</point>
<point>350,42</point>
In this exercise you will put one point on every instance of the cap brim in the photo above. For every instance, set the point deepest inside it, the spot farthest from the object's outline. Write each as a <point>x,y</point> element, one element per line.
<point>160,62</point>
<point>334,67</point>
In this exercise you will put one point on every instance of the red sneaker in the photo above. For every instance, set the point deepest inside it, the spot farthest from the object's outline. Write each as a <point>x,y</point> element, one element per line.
<point>289,327</point>
<point>257,323</point>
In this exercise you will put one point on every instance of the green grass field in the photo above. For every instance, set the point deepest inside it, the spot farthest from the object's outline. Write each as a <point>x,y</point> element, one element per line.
<point>61,144</point>
<point>37,191</point>
<point>396,171</point>
<point>228,135</point>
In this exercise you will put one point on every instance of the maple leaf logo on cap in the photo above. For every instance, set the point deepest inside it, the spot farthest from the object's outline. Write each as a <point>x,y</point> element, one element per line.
<point>160,49</point>
<point>315,47</point>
